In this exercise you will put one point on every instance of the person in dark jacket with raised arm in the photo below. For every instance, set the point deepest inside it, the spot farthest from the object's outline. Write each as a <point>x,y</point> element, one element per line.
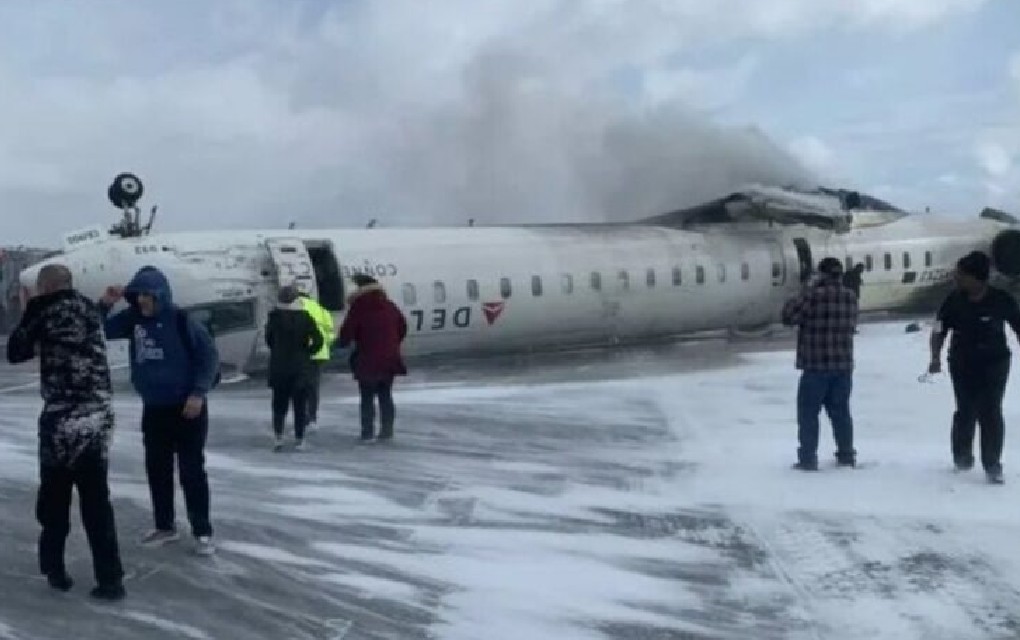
<point>174,364</point>
<point>376,328</point>
<point>65,330</point>
<point>293,339</point>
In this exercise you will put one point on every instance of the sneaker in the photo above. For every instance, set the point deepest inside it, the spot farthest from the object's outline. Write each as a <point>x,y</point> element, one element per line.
<point>995,476</point>
<point>110,592</point>
<point>806,466</point>
<point>312,427</point>
<point>278,443</point>
<point>60,581</point>
<point>299,445</point>
<point>204,546</point>
<point>364,440</point>
<point>158,538</point>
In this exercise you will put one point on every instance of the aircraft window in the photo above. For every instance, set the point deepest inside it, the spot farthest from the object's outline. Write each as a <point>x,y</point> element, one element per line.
<point>504,287</point>
<point>699,274</point>
<point>568,283</point>
<point>536,286</point>
<point>650,278</point>
<point>888,261</point>
<point>472,289</point>
<point>410,295</point>
<point>927,258</point>
<point>439,292</point>
<point>745,271</point>
<point>221,318</point>
<point>596,281</point>
<point>722,272</point>
<point>869,264</point>
<point>906,260</point>
<point>677,277</point>
<point>777,269</point>
<point>624,279</point>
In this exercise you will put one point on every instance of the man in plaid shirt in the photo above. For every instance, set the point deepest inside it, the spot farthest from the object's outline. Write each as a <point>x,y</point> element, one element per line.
<point>826,313</point>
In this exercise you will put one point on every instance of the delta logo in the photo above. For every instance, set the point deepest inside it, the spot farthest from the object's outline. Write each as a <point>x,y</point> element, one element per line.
<point>492,311</point>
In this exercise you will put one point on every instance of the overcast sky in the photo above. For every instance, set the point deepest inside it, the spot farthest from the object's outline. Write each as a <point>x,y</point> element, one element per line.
<point>333,112</point>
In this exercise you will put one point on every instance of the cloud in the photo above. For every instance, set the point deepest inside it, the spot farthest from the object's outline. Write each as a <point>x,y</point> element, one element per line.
<point>994,159</point>
<point>257,112</point>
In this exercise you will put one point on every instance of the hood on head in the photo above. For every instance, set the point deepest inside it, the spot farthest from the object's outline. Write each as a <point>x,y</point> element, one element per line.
<point>150,280</point>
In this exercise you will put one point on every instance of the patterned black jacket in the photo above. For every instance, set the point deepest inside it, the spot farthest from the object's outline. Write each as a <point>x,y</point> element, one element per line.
<point>66,331</point>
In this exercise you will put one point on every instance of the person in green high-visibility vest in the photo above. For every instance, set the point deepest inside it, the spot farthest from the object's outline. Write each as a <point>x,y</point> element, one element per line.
<point>324,321</point>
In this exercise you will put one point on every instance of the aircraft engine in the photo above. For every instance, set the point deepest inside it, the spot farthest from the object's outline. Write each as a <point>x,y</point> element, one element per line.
<point>1006,252</point>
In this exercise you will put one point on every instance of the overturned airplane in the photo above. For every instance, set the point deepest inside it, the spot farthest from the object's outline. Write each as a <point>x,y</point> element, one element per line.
<point>726,264</point>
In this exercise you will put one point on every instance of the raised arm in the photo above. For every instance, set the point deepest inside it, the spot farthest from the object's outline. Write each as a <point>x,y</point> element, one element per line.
<point>120,325</point>
<point>796,309</point>
<point>22,343</point>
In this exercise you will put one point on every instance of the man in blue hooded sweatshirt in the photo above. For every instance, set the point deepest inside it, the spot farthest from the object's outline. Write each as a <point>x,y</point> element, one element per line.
<point>174,364</point>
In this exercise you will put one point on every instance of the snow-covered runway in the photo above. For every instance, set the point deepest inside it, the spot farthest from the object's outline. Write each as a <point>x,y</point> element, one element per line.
<point>629,496</point>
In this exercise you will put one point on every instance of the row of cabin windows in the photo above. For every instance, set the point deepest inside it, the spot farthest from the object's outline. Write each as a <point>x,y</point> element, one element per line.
<point>410,293</point>
<point>623,278</point>
<point>887,261</point>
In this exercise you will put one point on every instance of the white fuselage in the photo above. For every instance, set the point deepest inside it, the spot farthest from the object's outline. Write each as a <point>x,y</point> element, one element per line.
<point>485,289</point>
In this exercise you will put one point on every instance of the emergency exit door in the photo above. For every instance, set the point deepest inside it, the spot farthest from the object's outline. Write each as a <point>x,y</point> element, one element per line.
<point>293,264</point>
<point>804,257</point>
<point>778,266</point>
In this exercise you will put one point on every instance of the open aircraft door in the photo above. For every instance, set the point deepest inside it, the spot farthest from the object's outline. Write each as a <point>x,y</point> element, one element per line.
<point>293,264</point>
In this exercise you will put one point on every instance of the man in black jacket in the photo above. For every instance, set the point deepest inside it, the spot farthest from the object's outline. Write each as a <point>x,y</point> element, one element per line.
<point>976,313</point>
<point>293,338</point>
<point>66,330</point>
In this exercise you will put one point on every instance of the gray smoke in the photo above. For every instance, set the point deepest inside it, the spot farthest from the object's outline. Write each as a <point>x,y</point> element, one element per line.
<point>514,147</point>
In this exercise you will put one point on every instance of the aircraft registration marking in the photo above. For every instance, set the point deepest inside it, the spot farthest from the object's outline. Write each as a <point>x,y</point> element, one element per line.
<point>935,275</point>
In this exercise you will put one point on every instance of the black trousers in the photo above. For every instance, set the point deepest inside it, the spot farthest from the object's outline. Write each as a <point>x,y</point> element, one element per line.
<point>979,388</point>
<point>370,390</point>
<point>53,508</point>
<point>285,394</point>
<point>167,435</point>
<point>313,390</point>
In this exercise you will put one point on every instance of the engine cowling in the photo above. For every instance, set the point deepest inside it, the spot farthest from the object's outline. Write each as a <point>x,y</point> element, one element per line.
<point>1006,252</point>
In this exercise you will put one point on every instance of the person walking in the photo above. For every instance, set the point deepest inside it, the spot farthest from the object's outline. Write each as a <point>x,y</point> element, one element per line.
<point>75,427</point>
<point>324,321</point>
<point>826,314</point>
<point>293,338</point>
<point>376,328</point>
<point>174,365</point>
<point>979,361</point>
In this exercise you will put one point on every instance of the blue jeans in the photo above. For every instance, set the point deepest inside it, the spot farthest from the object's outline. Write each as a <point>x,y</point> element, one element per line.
<point>829,389</point>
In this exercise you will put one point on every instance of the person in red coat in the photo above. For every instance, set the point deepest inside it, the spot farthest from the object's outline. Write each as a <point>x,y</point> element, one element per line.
<point>376,328</point>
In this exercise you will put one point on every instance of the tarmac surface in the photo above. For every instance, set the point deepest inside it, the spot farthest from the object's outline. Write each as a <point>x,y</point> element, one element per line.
<point>517,501</point>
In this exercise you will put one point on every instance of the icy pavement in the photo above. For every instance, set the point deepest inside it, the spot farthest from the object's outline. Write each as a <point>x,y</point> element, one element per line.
<point>641,495</point>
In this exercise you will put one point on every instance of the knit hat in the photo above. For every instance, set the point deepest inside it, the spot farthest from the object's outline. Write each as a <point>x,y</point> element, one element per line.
<point>976,264</point>
<point>288,294</point>
<point>362,280</point>
<point>830,266</point>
